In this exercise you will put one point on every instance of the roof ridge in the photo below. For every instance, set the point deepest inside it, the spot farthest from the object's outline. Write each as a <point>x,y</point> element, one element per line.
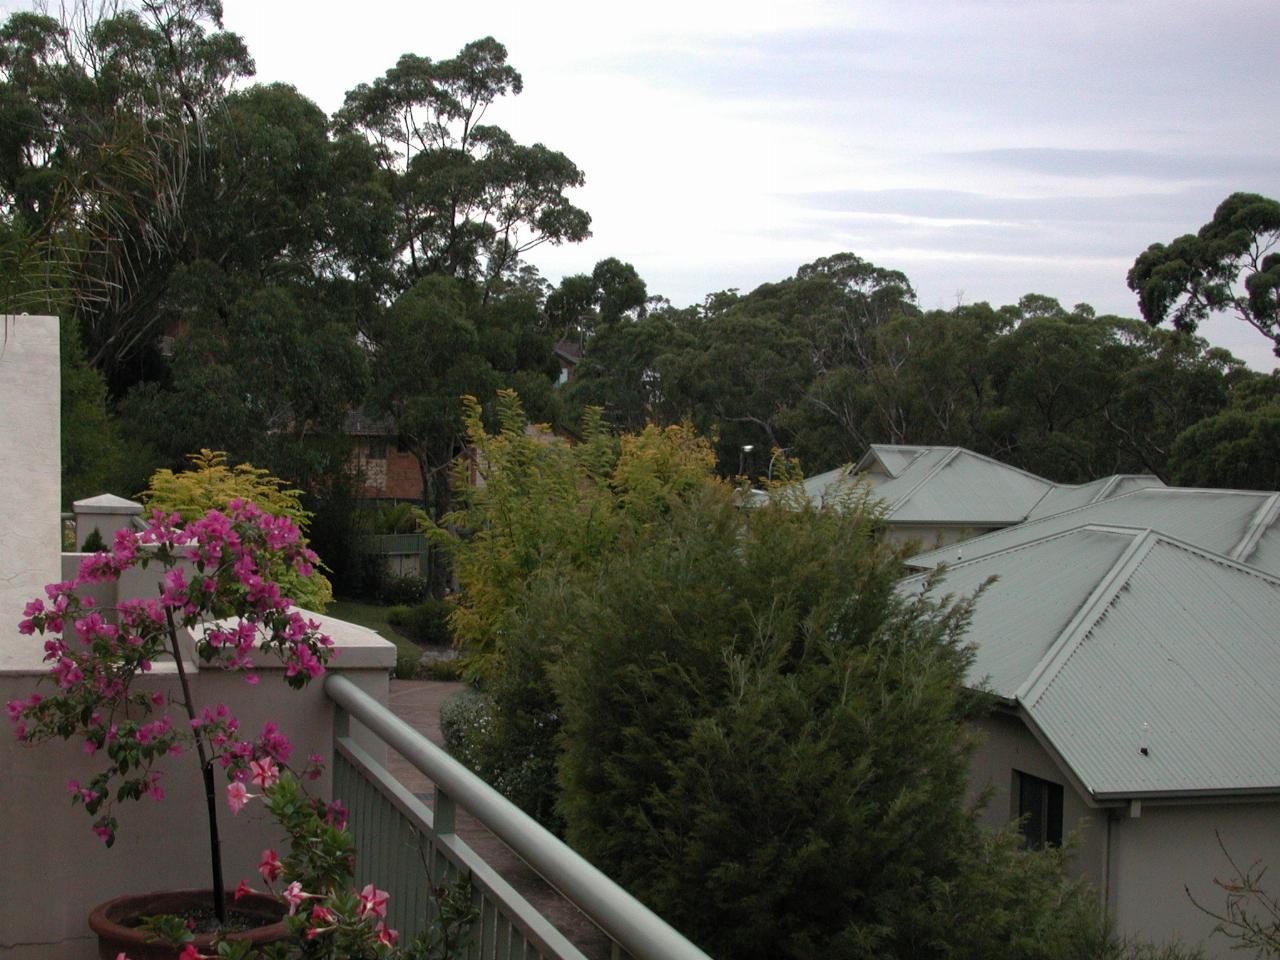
<point>1112,528</point>
<point>951,455</point>
<point>1260,524</point>
<point>1027,523</point>
<point>1082,622</point>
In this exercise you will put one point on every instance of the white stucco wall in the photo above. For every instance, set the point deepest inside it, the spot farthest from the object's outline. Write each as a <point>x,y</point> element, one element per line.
<point>930,536</point>
<point>30,472</point>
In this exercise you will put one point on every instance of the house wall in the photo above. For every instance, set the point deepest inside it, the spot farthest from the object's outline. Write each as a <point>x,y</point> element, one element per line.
<point>931,536</point>
<point>1007,745</point>
<point>394,475</point>
<point>1166,851</point>
<point>51,858</point>
<point>1143,865</point>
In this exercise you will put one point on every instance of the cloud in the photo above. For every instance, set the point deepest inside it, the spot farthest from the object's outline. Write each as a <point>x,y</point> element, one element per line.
<point>1093,163</point>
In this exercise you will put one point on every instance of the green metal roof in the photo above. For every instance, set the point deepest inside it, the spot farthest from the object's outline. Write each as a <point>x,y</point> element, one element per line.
<point>1111,639</point>
<point>930,485</point>
<point>1238,524</point>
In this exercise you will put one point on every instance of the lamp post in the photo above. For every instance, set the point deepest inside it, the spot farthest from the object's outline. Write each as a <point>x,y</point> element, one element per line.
<point>742,457</point>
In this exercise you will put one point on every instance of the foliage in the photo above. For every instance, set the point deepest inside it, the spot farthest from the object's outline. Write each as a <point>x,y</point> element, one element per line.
<point>93,542</point>
<point>403,590</point>
<point>232,610</point>
<point>1231,264</point>
<point>209,484</point>
<point>92,452</point>
<point>733,712</point>
<point>1237,447</point>
<point>426,622</point>
<point>1250,914</point>
<point>471,199</point>
<point>547,506</point>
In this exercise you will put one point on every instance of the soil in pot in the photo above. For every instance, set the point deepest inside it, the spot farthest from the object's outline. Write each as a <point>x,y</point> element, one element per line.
<point>256,917</point>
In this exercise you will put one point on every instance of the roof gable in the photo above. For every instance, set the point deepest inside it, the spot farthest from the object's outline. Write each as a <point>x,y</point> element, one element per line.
<point>1116,638</point>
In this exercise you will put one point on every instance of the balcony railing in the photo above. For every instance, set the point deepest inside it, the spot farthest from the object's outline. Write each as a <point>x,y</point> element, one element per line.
<point>406,847</point>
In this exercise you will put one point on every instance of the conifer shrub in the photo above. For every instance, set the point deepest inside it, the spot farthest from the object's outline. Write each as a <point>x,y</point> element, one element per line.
<point>426,622</point>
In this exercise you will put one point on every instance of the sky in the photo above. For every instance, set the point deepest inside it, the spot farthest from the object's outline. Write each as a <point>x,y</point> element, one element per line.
<point>987,150</point>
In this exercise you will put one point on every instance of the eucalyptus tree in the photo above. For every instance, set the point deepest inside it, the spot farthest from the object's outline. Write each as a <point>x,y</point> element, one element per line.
<point>1232,265</point>
<point>470,200</point>
<point>104,114</point>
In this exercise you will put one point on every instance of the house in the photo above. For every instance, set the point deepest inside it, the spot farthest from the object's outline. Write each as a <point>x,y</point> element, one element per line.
<point>568,355</point>
<point>1132,644</point>
<point>940,495</point>
<point>387,472</point>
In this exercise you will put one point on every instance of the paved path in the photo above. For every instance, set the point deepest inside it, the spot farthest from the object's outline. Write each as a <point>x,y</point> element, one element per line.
<point>417,702</point>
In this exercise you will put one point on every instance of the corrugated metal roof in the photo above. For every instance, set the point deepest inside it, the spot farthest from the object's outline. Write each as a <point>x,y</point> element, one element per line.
<point>1188,644</point>
<point>952,485</point>
<point>1097,631</point>
<point>1221,521</point>
<point>1039,589</point>
<point>1065,496</point>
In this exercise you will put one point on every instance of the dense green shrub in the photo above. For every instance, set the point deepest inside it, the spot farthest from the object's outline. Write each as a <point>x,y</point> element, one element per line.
<point>93,542</point>
<point>426,622</point>
<point>406,590</point>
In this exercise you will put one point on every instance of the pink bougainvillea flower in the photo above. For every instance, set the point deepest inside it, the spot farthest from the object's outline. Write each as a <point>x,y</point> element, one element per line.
<point>270,866</point>
<point>238,795</point>
<point>264,772</point>
<point>373,901</point>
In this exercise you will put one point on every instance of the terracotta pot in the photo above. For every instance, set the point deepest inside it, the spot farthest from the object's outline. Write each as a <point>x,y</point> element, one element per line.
<point>110,921</point>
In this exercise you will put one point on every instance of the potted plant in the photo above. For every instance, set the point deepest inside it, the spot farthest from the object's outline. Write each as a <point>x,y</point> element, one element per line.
<point>217,584</point>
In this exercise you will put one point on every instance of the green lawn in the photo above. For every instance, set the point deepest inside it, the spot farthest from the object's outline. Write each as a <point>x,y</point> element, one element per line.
<point>374,617</point>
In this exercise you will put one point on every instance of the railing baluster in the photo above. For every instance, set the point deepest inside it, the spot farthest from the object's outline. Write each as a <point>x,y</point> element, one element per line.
<point>406,847</point>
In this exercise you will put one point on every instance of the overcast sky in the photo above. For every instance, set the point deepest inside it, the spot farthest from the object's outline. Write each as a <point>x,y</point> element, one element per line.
<point>987,150</point>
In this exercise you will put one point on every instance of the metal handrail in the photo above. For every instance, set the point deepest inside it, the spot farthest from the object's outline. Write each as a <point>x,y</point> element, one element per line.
<point>635,927</point>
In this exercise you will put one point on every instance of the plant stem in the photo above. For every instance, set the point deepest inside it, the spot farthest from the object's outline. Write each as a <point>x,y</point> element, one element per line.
<point>206,768</point>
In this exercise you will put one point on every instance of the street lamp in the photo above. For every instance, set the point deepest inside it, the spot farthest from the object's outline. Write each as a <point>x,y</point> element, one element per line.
<point>746,448</point>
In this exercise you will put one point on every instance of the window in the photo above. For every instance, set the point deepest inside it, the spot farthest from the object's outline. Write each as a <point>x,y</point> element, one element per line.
<point>1039,810</point>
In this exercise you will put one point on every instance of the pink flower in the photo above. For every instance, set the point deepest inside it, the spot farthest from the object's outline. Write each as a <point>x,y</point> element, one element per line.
<point>270,866</point>
<point>104,834</point>
<point>321,914</point>
<point>264,772</point>
<point>373,901</point>
<point>387,936</point>
<point>189,952</point>
<point>238,795</point>
<point>242,890</point>
<point>294,896</point>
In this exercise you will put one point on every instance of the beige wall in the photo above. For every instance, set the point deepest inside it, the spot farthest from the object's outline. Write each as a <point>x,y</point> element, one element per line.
<point>1143,864</point>
<point>1167,850</point>
<point>1007,745</point>
<point>51,858</point>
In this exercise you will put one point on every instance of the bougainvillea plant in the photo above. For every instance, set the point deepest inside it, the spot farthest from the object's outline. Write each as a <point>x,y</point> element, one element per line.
<point>215,584</point>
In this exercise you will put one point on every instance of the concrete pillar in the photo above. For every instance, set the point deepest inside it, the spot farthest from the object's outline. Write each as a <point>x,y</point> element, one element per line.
<point>105,513</point>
